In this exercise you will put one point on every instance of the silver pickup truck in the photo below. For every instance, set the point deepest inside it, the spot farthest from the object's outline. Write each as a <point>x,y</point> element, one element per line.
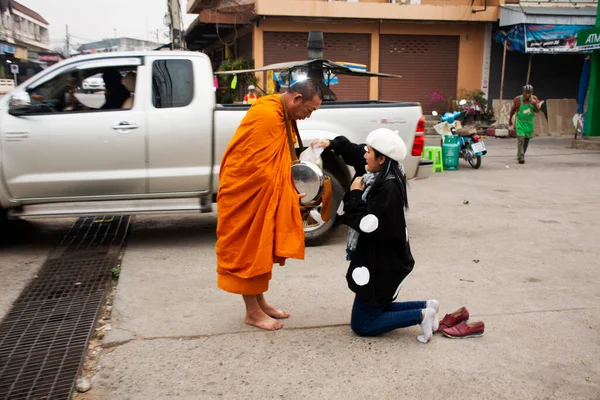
<point>65,152</point>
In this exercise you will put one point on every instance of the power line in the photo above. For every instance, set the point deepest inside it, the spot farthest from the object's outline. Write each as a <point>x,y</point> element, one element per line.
<point>82,38</point>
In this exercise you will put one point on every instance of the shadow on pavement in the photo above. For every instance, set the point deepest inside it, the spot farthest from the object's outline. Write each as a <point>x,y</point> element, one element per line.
<point>21,232</point>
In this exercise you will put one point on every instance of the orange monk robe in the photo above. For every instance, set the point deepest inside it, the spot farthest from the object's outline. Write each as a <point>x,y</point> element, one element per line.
<point>259,221</point>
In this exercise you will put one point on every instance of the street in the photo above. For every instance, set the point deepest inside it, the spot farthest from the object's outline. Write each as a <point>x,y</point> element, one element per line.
<point>513,243</point>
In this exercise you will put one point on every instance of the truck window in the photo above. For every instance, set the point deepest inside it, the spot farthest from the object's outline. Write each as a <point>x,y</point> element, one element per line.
<point>172,83</point>
<point>81,90</point>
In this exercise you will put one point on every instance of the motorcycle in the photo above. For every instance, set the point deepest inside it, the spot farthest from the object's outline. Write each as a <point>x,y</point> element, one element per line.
<point>471,145</point>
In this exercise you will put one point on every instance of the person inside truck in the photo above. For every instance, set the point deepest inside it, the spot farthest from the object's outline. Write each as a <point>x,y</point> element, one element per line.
<point>258,208</point>
<point>130,80</point>
<point>116,93</point>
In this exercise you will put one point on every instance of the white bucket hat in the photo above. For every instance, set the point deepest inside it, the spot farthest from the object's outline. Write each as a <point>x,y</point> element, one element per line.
<point>388,142</point>
<point>251,87</point>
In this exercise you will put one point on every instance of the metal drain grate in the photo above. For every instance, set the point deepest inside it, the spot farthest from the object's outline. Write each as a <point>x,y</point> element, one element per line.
<point>44,336</point>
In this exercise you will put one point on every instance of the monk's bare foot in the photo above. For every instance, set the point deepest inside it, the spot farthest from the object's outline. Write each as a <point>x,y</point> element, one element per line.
<point>269,310</point>
<point>263,321</point>
<point>274,313</point>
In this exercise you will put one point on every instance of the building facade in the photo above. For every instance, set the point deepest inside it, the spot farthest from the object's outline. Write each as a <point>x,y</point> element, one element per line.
<point>540,38</point>
<point>23,37</point>
<point>435,45</point>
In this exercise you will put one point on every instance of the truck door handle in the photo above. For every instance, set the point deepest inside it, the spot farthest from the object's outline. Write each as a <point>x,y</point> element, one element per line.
<point>15,136</point>
<point>124,127</point>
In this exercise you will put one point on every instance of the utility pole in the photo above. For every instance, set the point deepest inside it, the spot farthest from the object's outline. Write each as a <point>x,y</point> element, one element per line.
<point>176,26</point>
<point>68,43</point>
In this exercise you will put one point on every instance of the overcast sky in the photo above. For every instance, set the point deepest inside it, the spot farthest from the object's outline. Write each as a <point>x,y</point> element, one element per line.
<point>91,20</point>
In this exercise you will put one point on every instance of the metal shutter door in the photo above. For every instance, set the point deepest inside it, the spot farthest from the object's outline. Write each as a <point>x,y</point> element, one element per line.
<point>285,46</point>
<point>355,48</point>
<point>426,63</point>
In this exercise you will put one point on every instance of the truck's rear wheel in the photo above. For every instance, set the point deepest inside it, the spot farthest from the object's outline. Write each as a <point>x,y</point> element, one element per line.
<point>4,230</point>
<point>318,232</point>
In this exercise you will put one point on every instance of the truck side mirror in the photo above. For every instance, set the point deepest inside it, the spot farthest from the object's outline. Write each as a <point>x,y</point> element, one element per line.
<point>19,104</point>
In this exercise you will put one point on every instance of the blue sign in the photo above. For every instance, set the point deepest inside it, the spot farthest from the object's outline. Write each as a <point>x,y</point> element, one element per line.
<point>7,48</point>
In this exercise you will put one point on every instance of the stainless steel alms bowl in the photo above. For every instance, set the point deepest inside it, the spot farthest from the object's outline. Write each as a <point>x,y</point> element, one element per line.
<point>308,178</point>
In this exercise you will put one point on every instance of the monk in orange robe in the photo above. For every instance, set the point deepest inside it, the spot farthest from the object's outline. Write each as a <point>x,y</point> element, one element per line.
<point>259,220</point>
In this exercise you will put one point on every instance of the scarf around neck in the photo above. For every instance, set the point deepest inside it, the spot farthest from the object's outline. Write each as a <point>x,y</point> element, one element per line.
<point>368,179</point>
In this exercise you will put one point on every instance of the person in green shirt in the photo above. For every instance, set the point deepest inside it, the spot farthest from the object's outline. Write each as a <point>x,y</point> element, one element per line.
<point>525,106</point>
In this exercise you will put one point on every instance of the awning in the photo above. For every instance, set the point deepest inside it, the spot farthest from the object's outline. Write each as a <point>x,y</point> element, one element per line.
<point>514,15</point>
<point>329,67</point>
<point>212,25</point>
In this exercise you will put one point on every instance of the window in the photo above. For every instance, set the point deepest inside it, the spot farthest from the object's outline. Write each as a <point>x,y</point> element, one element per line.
<point>172,83</point>
<point>93,89</point>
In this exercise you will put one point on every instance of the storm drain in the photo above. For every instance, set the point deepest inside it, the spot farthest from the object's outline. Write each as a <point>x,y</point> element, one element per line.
<point>44,336</point>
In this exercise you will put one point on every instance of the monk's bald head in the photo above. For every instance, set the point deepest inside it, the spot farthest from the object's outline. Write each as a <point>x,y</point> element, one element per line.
<point>308,88</point>
<point>303,98</point>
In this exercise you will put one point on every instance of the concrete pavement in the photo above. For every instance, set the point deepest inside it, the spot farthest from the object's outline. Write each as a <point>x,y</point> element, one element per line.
<point>522,256</point>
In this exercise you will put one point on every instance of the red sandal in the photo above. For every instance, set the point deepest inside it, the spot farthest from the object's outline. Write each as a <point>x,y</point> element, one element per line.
<point>465,330</point>
<point>450,320</point>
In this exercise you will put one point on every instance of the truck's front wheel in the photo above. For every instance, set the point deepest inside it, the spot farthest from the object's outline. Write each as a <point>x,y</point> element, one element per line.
<point>316,231</point>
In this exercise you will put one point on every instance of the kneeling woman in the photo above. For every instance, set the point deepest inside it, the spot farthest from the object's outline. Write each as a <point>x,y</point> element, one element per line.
<point>378,245</point>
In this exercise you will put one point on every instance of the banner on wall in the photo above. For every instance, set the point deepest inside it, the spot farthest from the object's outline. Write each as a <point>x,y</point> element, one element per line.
<point>540,39</point>
<point>589,39</point>
<point>21,53</point>
<point>552,38</point>
<point>49,57</point>
<point>270,82</point>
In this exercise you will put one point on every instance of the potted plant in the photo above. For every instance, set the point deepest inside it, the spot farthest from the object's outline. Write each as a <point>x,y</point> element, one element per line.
<point>227,95</point>
<point>440,102</point>
<point>476,108</point>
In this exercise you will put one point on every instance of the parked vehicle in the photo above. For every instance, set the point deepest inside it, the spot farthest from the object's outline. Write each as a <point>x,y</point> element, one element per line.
<point>93,84</point>
<point>6,86</point>
<point>162,154</point>
<point>470,144</point>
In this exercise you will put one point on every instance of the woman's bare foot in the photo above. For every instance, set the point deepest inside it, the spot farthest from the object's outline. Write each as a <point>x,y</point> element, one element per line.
<point>270,310</point>
<point>263,321</point>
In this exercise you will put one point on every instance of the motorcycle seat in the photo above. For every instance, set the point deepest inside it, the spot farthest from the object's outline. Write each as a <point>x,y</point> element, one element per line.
<point>466,131</point>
